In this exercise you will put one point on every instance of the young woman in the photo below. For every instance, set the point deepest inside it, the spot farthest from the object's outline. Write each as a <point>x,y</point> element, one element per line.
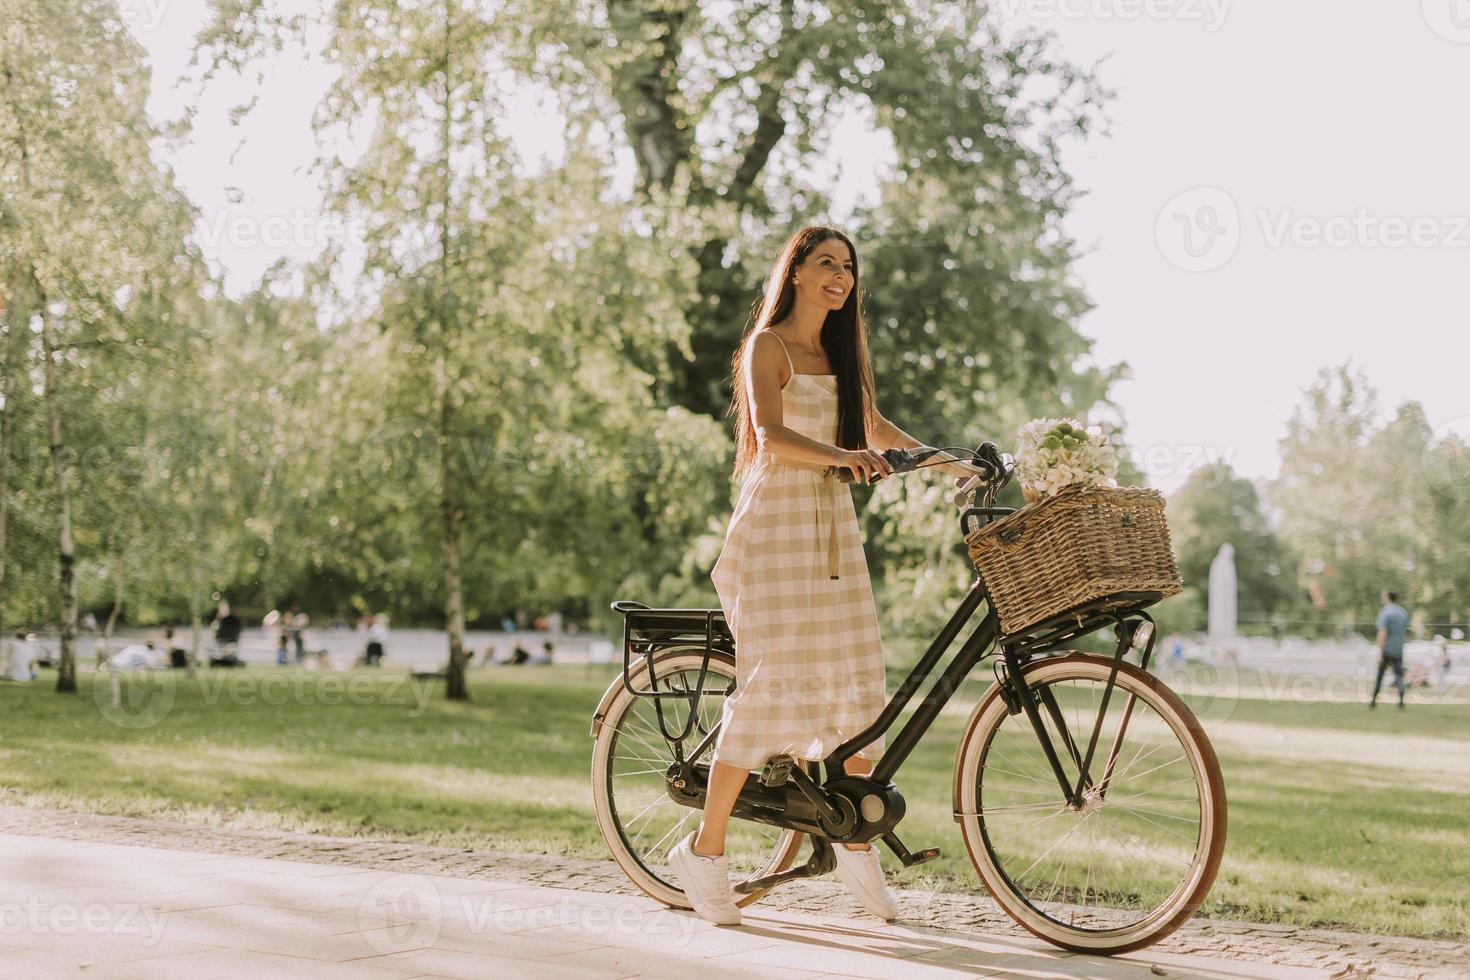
<point>792,578</point>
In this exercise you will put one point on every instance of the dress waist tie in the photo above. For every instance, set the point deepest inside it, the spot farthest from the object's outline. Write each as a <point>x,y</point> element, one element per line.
<point>827,503</point>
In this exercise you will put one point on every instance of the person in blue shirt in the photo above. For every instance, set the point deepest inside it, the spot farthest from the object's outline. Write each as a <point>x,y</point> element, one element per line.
<point>1392,624</point>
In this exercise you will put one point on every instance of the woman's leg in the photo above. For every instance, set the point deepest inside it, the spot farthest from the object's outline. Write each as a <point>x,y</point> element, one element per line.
<point>725,782</point>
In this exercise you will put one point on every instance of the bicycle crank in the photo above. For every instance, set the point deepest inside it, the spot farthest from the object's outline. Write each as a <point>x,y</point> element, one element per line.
<point>823,861</point>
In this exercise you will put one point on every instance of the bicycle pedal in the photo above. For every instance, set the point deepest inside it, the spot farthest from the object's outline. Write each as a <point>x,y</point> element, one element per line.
<point>777,772</point>
<point>902,853</point>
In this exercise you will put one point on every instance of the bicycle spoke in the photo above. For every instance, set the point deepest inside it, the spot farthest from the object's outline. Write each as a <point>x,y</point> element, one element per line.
<point>1087,883</point>
<point>1172,782</point>
<point>658,845</point>
<point>1018,775</point>
<point>1119,774</point>
<point>638,772</point>
<point>628,824</point>
<point>1166,765</point>
<point>1150,820</point>
<point>1054,846</point>
<point>1018,808</point>
<point>1123,848</point>
<point>647,820</point>
<point>1029,827</point>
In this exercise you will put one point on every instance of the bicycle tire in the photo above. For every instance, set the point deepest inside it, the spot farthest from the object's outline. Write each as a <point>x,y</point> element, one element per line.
<point>644,863</point>
<point>999,871</point>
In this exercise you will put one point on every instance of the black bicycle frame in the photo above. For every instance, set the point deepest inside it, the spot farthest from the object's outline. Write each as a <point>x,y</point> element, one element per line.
<point>971,653</point>
<point>786,795</point>
<point>977,646</point>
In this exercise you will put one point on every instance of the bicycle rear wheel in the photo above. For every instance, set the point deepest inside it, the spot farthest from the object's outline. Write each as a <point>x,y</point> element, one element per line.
<point>1137,857</point>
<point>630,759</point>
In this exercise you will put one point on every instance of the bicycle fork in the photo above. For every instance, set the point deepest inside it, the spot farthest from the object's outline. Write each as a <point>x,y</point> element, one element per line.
<point>1020,697</point>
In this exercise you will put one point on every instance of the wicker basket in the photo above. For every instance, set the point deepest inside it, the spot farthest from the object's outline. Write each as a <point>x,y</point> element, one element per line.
<point>1077,547</point>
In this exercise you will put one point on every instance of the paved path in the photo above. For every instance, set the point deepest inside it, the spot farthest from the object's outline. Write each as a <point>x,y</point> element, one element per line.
<point>109,910</point>
<point>97,896</point>
<point>1333,952</point>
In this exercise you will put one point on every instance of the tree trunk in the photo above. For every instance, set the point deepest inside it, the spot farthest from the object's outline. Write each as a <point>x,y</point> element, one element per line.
<point>645,86</point>
<point>194,623</point>
<point>13,315</point>
<point>455,688</point>
<point>119,584</point>
<point>66,674</point>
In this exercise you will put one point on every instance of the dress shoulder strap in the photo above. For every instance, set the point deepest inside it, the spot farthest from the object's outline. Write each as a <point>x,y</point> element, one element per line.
<point>789,364</point>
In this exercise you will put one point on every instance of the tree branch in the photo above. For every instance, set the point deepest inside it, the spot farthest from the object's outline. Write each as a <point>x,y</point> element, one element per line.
<point>645,85</point>
<point>770,123</point>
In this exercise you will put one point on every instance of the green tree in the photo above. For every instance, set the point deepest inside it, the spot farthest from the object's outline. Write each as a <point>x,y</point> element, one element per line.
<point>1368,506</point>
<point>96,252</point>
<point>513,310</point>
<point>967,286</point>
<point>1321,487</point>
<point>1443,514</point>
<point>733,108</point>
<point>555,316</point>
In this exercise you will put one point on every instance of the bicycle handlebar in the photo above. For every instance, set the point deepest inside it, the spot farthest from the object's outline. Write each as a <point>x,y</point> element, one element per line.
<point>986,457</point>
<point>899,460</point>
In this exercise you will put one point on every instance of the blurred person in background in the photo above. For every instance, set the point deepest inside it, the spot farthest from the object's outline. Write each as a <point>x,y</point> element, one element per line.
<point>178,657</point>
<point>1392,623</point>
<point>296,622</point>
<point>23,656</point>
<point>227,628</point>
<point>377,639</point>
<point>134,656</point>
<point>1441,661</point>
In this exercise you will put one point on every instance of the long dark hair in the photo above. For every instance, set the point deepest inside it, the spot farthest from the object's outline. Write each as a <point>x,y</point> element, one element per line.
<point>844,338</point>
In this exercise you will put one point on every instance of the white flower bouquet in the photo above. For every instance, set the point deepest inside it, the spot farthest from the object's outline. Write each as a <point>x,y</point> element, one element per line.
<point>1053,454</point>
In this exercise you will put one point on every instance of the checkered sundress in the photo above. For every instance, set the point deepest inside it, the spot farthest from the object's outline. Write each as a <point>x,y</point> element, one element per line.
<point>793,582</point>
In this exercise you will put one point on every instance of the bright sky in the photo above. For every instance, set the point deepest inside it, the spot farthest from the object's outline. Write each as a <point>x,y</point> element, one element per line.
<point>1282,189</point>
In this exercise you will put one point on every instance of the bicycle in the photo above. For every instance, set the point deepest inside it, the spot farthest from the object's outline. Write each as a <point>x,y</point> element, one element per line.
<point>1096,822</point>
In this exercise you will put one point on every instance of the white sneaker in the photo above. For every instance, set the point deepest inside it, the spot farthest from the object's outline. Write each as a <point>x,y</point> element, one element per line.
<point>706,883</point>
<point>863,876</point>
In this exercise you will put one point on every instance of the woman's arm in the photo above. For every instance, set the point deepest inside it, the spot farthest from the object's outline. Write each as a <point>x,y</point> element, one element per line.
<point>883,434</point>
<point>763,365</point>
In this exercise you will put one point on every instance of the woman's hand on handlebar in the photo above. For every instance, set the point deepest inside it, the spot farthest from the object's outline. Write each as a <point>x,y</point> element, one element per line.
<point>866,465</point>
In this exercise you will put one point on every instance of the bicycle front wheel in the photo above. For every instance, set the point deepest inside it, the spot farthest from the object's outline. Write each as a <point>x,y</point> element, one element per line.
<point>1136,856</point>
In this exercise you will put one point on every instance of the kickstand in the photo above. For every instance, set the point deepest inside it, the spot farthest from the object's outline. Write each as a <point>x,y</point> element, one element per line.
<point>823,861</point>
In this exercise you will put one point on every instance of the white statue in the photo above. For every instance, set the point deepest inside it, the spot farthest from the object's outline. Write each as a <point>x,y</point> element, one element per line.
<point>1222,594</point>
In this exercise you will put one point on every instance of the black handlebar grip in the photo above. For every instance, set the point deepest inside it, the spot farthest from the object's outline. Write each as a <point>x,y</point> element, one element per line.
<point>898,460</point>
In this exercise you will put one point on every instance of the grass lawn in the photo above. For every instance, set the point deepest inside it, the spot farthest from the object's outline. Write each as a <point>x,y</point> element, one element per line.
<point>1338,816</point>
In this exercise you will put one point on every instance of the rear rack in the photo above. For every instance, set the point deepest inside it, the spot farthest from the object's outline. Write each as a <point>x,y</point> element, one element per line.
<point>646,631</point>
